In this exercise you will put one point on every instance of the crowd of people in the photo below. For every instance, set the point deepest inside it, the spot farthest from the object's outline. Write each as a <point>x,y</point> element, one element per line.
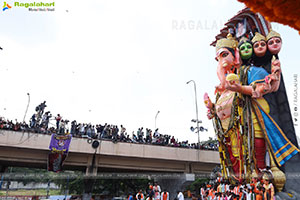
<point>258,189</point>
<point>154,192</point>
<point>40,122</point>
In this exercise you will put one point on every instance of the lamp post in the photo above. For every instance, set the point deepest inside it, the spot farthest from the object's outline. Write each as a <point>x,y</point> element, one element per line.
<point>27,106</point>
<point>156,118</point>
<point>198,129</point>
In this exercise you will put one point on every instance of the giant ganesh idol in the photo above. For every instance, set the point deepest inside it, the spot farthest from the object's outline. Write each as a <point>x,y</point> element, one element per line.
<point>250,141</point>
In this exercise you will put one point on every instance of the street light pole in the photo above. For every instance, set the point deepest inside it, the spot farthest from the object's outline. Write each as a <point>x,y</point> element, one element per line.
<point>198,129</point>
<point>156,118</point>
<point>27,106</point>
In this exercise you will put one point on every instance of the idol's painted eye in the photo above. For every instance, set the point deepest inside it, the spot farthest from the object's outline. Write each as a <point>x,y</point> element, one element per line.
<point>249,46</point>
<point>262,44</point>
<point>256,45</point>
<point>278,40</point>
<point>242,48</point>
<point>270,42</point>
<point>225,54</point>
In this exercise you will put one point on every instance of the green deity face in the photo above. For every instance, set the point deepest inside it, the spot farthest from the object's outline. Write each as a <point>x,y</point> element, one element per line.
<point>246,50</point>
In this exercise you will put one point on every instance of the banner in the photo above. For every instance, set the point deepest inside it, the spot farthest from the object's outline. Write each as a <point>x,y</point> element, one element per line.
<point>59,147</point>
<point>60,143</point>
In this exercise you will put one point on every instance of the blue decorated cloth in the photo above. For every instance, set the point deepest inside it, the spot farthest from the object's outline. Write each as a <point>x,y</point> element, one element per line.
<point>281,147</point>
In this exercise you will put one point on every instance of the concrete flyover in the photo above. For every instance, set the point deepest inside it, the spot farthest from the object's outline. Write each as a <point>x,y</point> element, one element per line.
<point>31,149</point>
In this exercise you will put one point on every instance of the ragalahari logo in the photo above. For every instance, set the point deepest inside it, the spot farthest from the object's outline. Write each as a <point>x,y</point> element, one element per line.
<point>6,6</point>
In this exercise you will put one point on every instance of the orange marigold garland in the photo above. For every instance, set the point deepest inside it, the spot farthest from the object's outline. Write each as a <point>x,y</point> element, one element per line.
<point>281,11</point>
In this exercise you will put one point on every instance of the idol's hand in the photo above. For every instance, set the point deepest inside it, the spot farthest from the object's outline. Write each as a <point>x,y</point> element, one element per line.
<point>276,70</point>
<point>262,88</point>
<point>233,86</point>
<point>207,101</point>
<point>219,88</point>
<point>209,114</point>
<point>276,63</point>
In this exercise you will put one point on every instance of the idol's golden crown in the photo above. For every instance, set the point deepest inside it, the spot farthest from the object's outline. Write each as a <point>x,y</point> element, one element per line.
<point>226,42</point>
<point>258,37</point>
<point>273,34</point>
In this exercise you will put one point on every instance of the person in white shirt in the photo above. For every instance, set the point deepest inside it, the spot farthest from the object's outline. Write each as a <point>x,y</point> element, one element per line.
<point>202,192</point>
<point>180,196</point>
<point>164,195</point>
<point>139,195</point>
<point>156,133</point>
<point>81,129</point>
<point>157,191</point>
<point>250,194</point>
<point>227,186</point>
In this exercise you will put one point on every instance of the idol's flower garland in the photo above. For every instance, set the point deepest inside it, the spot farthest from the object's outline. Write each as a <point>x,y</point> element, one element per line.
<point>281,11</point>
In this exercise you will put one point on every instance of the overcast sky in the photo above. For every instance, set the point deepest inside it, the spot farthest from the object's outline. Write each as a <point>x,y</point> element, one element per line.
<point>120,62</point>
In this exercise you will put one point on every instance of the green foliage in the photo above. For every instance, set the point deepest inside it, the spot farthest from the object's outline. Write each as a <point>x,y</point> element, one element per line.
<point>120,187</point>
<point>71,180</point>
<point>28,175</point>
<point>195,186</point>
<point>30,192</point>
<point>76,182</point>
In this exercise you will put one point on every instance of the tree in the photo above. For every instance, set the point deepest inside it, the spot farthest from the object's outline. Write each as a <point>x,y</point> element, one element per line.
<point>197,184</point>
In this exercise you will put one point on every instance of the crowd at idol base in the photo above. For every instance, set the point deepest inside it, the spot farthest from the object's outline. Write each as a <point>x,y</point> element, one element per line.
<point>259,188</point>
<point>154,192</point>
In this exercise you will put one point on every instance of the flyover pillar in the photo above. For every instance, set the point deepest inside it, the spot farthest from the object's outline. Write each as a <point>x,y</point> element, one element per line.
<point>92,165</point>
<point>90,178</point>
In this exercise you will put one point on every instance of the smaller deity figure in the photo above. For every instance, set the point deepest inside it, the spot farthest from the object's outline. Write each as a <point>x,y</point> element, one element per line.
<point>259,44</point>
<point>274,43</point>
<point>261,56</point>
<point>246,50</point>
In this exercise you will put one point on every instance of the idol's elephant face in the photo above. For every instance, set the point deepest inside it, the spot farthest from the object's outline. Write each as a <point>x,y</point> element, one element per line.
<point>226,63</point>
